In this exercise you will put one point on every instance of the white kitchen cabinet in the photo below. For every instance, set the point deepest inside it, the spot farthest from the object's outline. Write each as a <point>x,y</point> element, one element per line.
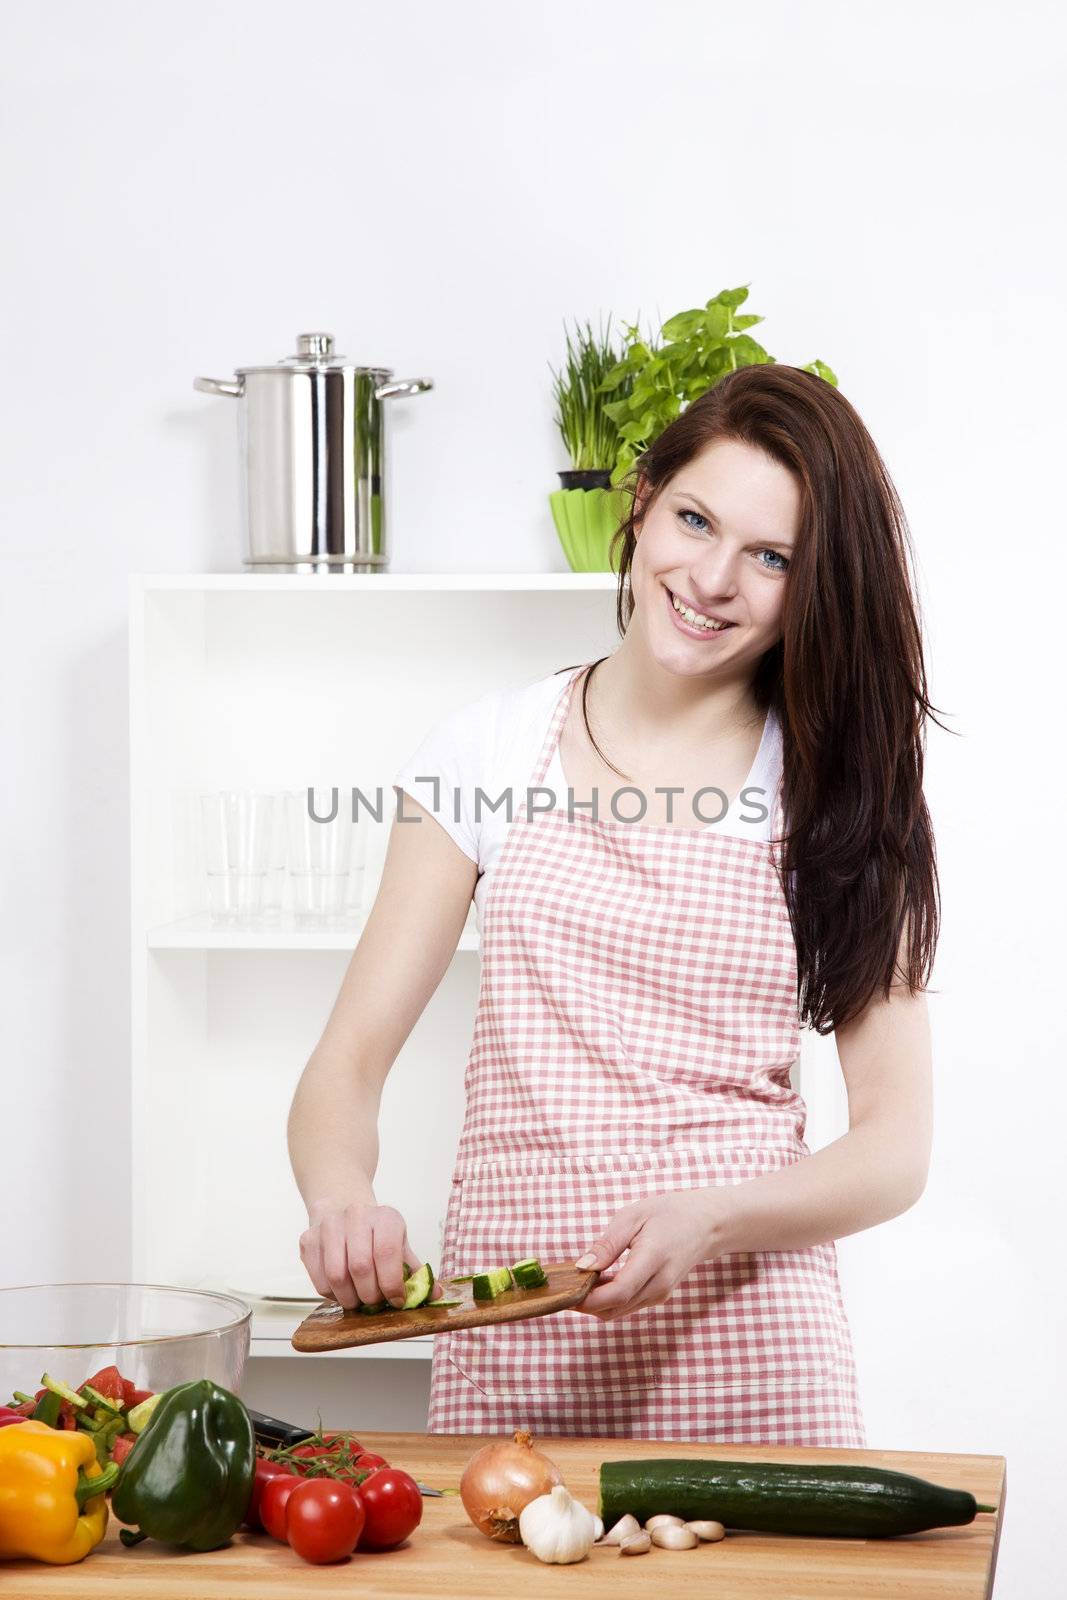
<point>280,682</point>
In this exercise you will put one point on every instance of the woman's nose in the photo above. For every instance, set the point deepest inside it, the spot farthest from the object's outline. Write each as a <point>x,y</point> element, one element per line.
<point>713,578</point>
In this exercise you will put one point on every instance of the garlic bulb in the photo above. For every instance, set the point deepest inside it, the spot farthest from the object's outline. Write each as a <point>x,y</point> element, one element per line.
<point>557,1528</point>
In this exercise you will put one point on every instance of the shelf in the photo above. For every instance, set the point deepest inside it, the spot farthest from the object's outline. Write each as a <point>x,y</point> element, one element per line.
<point>200,933</point>
<point>379,582</point>
<point>271,692</point>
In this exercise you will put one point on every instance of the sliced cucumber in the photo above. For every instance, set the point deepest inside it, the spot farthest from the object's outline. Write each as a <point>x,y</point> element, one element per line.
<point>99,1400</point>
<point>529,1274</point>
<point>138,1416</point>
<point>487,1285</point>
<point>439,1305</point>
<point>64,1390</point>
<point>419,1287</point>
<point>373,1308</point>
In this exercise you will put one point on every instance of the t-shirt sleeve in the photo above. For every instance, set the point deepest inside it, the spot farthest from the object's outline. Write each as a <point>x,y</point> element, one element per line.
<point>444,771</point>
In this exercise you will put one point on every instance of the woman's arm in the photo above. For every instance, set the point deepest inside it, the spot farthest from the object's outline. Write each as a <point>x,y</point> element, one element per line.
<point>872,1173</point>
<point>353,1248</point>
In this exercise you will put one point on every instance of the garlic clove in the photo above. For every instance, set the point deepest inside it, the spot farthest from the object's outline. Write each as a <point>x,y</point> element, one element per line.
<point>682,1538</point>
<point>598,1527</point>
<point>664,1521</point>
<point>625,1528</point>
<point>638,1544</point>
<point>707,1532</point>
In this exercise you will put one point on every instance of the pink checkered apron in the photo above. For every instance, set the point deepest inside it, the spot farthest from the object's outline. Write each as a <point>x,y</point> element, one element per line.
<point>635,1029</point>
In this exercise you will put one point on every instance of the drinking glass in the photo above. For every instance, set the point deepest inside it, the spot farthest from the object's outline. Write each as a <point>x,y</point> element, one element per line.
<point>319,832</point>
<point>237,827</point>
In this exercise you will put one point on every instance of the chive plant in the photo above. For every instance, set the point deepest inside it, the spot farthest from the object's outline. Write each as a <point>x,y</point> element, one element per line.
<point>591,437</point>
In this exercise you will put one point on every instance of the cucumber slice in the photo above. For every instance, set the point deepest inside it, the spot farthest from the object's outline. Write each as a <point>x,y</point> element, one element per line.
<point>419,1287</point>
<point>529,1274</point>
<point>64,1390</point>
<point>487,1285</point>
<point>439,1305</point>
<point>138,1416</point>
<point>101,1400</point>
<point>368,1308</point>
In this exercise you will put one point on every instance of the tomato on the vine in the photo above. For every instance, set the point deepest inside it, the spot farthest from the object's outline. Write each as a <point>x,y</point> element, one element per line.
<point>369,1462</point>
<point>338,1438</point>
<point>308,1452</point>
<point>392,1503</point>
<point>323,1519</point>
<point>266,1472</point>
<point>273,1502</point>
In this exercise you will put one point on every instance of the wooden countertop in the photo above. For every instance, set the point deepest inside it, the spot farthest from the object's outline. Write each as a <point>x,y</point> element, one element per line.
<point>447,1558</point>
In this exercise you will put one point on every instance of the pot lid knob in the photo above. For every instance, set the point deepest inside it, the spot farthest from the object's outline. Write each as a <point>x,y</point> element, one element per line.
<point>314,346</point>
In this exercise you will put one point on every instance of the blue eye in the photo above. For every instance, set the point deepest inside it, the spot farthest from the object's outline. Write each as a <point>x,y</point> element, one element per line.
<point>778,556</point>
<point>689,525</point>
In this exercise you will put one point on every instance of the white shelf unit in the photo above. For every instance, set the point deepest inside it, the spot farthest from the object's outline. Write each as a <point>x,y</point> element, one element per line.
<point>279,682</point>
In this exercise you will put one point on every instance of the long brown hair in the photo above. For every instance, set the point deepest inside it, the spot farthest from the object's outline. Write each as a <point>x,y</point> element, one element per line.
<point>847,681</point>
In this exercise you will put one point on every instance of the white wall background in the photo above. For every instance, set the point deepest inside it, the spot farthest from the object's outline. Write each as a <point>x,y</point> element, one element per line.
<point>184,189</point>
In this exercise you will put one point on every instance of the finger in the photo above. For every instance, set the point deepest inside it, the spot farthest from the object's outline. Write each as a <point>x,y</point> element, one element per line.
<point>359,1254</point>
<point>334,1248</point>
<point>613,1241</point>
<point>311,1256</point>
<point>391,1251</point>
<point>610,1299</point>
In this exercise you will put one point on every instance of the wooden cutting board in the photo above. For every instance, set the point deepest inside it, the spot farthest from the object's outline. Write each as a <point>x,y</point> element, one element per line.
<point>330,1327</point>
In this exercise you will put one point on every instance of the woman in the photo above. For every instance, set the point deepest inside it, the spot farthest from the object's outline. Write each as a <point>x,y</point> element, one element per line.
<point>644,981</point>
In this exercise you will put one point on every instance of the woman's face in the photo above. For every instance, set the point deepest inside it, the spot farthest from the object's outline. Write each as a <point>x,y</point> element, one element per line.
<point>717,540</point>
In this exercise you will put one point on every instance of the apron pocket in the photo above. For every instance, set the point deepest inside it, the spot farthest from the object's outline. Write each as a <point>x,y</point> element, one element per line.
<point>743,1323</point>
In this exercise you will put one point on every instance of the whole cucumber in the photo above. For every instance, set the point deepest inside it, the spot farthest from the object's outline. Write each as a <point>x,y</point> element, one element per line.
<point>783,1497</point>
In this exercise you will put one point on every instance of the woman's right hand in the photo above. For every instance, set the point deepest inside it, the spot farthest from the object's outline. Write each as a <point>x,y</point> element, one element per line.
<point>356,1253</point>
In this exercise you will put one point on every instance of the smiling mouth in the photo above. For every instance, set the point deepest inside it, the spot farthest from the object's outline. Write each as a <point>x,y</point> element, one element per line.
<point>697,619</point>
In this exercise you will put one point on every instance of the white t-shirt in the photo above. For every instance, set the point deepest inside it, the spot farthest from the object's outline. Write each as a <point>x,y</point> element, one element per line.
<point>492,745</point>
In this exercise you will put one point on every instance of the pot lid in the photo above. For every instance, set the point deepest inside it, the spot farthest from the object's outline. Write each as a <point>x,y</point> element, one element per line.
<point>315,353</point>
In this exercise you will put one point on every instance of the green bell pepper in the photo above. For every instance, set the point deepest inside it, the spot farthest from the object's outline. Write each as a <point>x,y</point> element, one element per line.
<point>188,1479</point>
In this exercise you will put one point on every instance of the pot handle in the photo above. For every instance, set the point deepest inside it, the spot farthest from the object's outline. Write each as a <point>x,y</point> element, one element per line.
<point>401,387</point>
<point>219,386</point>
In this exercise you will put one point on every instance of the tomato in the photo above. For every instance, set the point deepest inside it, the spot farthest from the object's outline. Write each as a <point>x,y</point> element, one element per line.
<point>348,1440</point>
<point>323,1520</point>
<point>110,1383</point>
<point>308,1452</point>
<point>393,1506</point>
<point>273,1502</point>
<point>265,1472</point>
<point>122,1447</point>
<point>369,1462</point>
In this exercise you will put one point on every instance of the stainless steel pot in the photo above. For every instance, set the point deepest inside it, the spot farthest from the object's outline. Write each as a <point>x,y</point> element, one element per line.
<point>313,434</point>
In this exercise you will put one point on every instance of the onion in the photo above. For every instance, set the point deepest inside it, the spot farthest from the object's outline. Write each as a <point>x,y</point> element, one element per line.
<point>500,1480</point>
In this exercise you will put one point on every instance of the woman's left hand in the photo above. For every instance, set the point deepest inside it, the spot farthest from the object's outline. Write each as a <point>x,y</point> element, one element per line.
<point>667,1235</point>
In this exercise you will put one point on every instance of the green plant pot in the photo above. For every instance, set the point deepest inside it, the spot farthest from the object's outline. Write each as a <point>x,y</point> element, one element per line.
<point>586,520</point>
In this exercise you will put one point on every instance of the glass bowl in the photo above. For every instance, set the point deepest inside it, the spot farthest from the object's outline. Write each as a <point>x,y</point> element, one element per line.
<point>157,1336</point>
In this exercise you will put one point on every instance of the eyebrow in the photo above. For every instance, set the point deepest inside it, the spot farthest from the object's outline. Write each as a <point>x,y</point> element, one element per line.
<point>687,494</point>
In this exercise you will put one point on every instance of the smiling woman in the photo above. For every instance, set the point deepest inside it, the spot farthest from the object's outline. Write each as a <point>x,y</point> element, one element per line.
<point>630,1102</point>
<point>799,489</point>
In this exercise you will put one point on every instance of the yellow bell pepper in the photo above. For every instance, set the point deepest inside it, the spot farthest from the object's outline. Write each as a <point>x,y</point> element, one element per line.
<point>50,1510</point>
